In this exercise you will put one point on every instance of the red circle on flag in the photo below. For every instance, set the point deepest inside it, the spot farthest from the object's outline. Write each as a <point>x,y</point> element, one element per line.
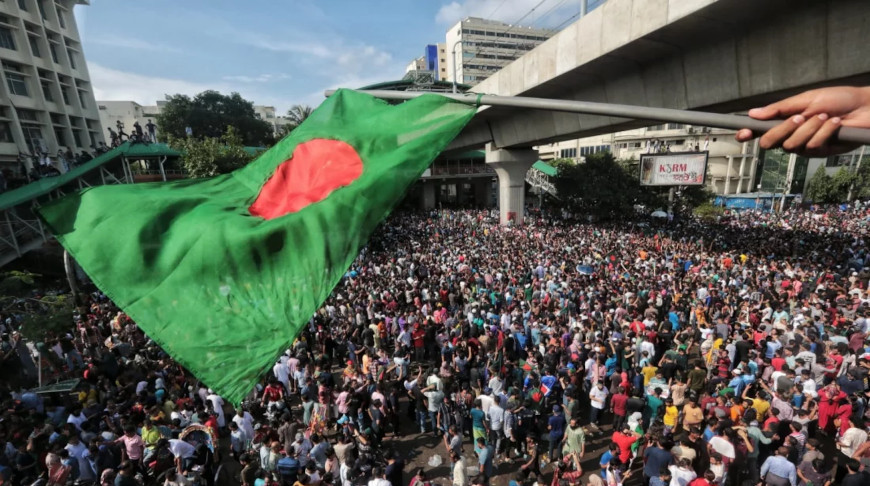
<point>316,168</point>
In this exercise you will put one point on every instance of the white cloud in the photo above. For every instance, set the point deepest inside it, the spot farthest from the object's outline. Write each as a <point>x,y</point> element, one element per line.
<point>548,14</point>
<point>131,43</point>
<point>112,84</point>
<point>262,78</point>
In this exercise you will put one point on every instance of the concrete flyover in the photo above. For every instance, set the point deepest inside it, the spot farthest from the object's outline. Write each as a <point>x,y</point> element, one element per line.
<point>714,55</point>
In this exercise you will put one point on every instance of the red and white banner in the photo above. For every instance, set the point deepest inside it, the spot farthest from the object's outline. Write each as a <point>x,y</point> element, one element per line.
<point>673,169</point>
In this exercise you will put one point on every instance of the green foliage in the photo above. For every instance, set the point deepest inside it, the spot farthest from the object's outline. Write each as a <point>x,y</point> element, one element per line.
<point>708,212</point>
<point>41,315</point>
<point>208,115</point>
<point>861,186</point>
<point>608,188</point>
<point>212,156</point>
<point>822,189</point>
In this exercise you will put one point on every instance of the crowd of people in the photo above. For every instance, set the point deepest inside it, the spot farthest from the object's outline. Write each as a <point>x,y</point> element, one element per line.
<point>730,353</point>
<point>686,354</point>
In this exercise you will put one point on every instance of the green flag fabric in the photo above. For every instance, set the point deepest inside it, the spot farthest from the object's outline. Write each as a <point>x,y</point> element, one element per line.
<point>224,272</point>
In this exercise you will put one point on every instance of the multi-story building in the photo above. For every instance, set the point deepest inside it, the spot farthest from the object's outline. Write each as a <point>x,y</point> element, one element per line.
<point>126,112</point>
<point>434,61</point>
<point>482,47</point>
<point>270,116</point>
<point>731,165</point>
<point>46,98</point>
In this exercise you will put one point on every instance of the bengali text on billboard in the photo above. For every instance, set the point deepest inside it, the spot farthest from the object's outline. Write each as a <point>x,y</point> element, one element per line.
<point>673,169</point>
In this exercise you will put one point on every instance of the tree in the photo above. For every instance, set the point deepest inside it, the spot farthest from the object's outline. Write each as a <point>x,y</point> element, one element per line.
<point>821,188</point>
<point>296,115</point>
<point>208,115</point>
<point>40,314</point>
<point>605,187</point>
<point>213,155</point>
<point>599,186</point>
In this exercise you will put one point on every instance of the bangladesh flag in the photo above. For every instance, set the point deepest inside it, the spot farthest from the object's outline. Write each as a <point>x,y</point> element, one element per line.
<point>224,272</point>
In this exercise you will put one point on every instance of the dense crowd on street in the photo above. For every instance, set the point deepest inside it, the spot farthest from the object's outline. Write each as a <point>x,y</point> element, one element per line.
<point>680,354</point>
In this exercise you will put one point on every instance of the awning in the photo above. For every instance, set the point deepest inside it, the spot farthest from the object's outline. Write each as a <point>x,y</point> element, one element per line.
<point>546,168</point>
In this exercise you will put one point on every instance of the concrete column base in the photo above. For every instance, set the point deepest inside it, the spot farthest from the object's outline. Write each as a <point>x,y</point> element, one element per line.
<point>427,195</point>
<point>511,166</point>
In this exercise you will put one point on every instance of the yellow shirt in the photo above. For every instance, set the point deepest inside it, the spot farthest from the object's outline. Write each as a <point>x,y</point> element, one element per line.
<point>760,406</point>
<point>150,436</point>
<point>671,414</point>
<point>648,372</point>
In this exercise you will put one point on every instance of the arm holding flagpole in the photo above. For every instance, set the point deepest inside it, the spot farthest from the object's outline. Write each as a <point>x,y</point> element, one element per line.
<point>847,120</point>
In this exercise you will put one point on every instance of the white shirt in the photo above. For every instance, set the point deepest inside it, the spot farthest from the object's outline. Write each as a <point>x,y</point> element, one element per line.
<point>680,476</point>
<point>597,394</point>
<point>485,403</point>
<point>723,447</point>
<point>379,482</point>
<point>246,423</point>
<point>460,478</point>
<point>852,439</point>
<point>217,404</point>
<point>281,372</point>
<point>181,449</point>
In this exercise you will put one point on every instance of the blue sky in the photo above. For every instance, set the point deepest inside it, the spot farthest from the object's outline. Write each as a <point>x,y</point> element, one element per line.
<point>273,52</point>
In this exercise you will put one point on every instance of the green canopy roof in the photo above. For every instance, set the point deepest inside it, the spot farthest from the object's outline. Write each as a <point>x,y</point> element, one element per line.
<point>545,168</point>
<point>48,184</point>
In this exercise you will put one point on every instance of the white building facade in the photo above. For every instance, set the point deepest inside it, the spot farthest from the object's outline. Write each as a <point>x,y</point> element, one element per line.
<point>482,47</point>
<point>46,97</point>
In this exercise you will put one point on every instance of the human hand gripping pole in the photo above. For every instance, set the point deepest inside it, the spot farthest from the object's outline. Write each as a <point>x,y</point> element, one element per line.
<point>839,118</point>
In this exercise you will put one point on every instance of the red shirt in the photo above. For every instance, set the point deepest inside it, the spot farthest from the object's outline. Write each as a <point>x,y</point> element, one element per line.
<point>777,363</point>
<point>418,335</point>
<point>618,402</point>
<point>624,442</point>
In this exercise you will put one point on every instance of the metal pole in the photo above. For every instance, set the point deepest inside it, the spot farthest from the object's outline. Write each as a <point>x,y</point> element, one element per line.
<point>857,168</point>
<point>717,120</point>
<point>69,268</point>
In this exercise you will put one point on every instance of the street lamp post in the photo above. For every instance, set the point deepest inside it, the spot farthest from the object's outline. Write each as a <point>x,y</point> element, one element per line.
<point>453,58</point>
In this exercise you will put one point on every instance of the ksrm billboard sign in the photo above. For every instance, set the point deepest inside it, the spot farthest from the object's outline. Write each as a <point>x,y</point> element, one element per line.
<point>673,169</point>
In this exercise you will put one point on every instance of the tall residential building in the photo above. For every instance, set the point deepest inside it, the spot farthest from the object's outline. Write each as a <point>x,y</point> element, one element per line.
<point>46,98</point>
<point>433,60</point>
<point>485,46</point>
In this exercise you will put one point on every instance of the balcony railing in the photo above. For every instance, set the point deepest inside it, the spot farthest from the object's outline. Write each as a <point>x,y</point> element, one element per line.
<point>461,170</point>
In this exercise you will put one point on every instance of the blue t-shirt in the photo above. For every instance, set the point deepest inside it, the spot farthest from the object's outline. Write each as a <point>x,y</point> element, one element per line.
<point>477,418</point>
<point>654,459</point>
<point>605,460</point>
<point>557,426</point>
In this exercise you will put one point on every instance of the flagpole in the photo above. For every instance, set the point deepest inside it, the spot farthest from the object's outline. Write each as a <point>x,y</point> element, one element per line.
<point>718,120</point>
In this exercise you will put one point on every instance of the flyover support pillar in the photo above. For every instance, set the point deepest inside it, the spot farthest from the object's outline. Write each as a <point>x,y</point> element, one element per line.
<point>511,166</point>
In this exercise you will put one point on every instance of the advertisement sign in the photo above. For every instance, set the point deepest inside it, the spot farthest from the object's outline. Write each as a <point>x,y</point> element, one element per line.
<point>673,169</point>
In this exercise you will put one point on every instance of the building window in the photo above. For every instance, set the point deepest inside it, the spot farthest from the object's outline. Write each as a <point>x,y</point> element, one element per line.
<point>39,3</point>
<point>53,50</point>
<point>27,116</point>
<point>46,91</point>
<point>33,137</point>
<point>5,132</point>
<point>82,99</point>
<point>77,138</point>
<point>60,18</point>
<point>34,46</point>
<point>59,136</point>
<point>72,58</point>
<point>568,153</point>
<point>22,4</point>
<point>63,92</point>
<point>7,41</point>
<point>17,84</point>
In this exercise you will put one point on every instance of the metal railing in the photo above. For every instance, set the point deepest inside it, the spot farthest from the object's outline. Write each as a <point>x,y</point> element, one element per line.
<point>461,169</point>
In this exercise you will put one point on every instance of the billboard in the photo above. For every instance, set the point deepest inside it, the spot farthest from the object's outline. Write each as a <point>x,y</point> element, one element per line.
<point>673,169</point>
